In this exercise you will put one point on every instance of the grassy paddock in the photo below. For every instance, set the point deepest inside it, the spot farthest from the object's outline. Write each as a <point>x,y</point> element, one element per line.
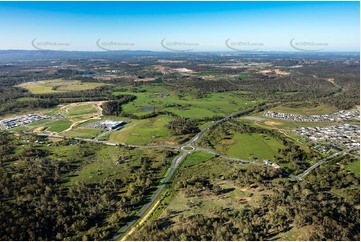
<point>26,99</point>
<point>145,131</point>
<point>251,146</point>
<point>321,109</point>
<point>188,106</point>
<point>196,158</point>
<point>59,126</point>
<point>81,132</point>
<point>354,167</point>
<point>81,110</point>
<point>58,85</point>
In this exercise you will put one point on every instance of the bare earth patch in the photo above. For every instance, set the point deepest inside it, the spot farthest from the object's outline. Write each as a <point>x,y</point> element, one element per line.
<point>148,79</point>
<point>271,123</point>
<point>274,72</point>
<point>331,80</point>
<point>164,143</point>
<point>55,139</point>
<point>39,129</point>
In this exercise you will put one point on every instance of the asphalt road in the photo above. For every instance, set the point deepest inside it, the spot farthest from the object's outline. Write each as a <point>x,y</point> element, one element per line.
<point>220,155</point>
<point>175,165</point>
<point>146,206</point>
<point>306,172</point>
<point>177,161</point>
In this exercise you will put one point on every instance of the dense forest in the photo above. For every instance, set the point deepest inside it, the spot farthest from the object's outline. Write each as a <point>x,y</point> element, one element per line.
<point>114,107</point>
<point>183,126</point>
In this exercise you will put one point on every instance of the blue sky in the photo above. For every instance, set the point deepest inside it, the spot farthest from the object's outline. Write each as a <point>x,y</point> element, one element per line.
<point>201,26</point>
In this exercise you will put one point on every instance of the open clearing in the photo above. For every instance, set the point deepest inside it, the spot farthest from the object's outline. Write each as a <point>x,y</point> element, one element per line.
<point>188,106</point>
<point>196,158</point>
<point>354,167</point>
<point>280,123</point>
<point>274,72</point>
<point>295,234</point>
<point>206,202</point>
<point>271,123</point>
<point>59,126</point>
<point>58,85</point>
<point>181,203</point>
<point>81,132</point>
<point>103,162</point>
<point>81,110</point>
<point>145,131</point>
<point>93,109</point>
<point>250,146</point>
<point>103,165</point>
<point>26,99</point>
<point>321,109</point>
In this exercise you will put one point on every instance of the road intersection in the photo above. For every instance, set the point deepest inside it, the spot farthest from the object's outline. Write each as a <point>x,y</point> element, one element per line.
<point>184,149</point>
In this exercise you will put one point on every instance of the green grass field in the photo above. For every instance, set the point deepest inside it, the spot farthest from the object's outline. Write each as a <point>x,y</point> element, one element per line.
<point>58,85</point>
<point>142,132</point>
<point>215,104</point>
<point>321,109</point>
<point>354,167</point>
<point>204,125</point>
<point>41,122</point>
<point>104,162</point>
<point>19,128</point>
<point>285,124</point>
<point>103,165</point>
<point>201,164</point>
<point>26,99</point>
<point>279,123</point>
<point>196,158</point>
<point>209,73</point>
<point>295,234</point>
<point>59,126</point>
<point>250,146</point>
<point>81,132</point>
<point>285,127</point>
<point>243,74</point>
<point>81,110</point>
<point>193,112</point>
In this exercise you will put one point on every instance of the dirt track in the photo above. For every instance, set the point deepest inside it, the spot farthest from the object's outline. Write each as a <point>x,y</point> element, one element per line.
<point>96,105</point>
